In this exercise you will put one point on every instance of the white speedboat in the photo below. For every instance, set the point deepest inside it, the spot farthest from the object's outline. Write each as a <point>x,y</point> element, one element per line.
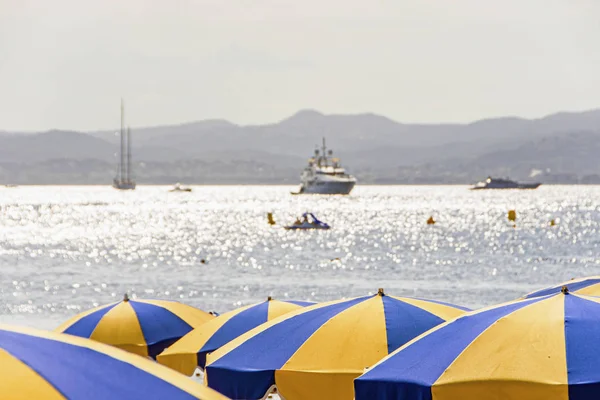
<point>179,188</point>
<point>123,179</point>
<point>309,221</point>
<point>325,175</point>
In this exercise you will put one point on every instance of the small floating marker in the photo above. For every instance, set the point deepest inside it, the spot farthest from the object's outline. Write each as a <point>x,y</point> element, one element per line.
<point>512,215</point>
<point>380,292</point>
<point>203,261</point>
<point>270,219</point>
<point>125,297</point>
<point>552,222</point>
<point>431,221</point>
<point>564,290</point>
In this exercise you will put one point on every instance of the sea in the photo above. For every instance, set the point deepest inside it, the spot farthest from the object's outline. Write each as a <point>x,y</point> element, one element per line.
<point>65,249</point>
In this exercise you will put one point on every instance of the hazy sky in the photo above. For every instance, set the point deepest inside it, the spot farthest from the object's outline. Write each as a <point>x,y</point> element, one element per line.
<point>65,63</point>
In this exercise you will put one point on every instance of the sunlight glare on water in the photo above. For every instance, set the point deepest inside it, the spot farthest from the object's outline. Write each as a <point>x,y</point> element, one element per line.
<point>64,249</point>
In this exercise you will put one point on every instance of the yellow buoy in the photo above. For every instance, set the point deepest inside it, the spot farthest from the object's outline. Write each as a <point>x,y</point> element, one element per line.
<point>430,221</point>
<point>270,219</point>
<point>512,215</point>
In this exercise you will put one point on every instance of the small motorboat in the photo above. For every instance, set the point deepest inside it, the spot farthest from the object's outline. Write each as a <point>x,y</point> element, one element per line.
<point>179,188</point>
<point>495,183</point>
<point>309,221</point>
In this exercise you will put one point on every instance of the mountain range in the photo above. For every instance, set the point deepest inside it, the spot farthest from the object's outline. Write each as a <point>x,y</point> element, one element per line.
<point>559,148</point>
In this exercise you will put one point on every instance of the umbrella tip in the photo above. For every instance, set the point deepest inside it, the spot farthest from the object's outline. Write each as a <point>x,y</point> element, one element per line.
<point>564,290</point>
<point>269,298</point>
<point>125,297</point>
<point>380,292</point>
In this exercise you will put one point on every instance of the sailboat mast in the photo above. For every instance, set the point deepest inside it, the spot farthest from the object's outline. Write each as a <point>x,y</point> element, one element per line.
<point>128,154</point>
<point>121,166</point>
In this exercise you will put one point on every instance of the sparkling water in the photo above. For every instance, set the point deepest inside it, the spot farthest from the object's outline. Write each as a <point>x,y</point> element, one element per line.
<point>64,249</point>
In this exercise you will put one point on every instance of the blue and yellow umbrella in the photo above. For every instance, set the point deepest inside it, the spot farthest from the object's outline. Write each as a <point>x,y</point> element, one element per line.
<point>144,327</point>
<point>46,365</point>
<point>190,352</point>
<point>318,351</point>
<point>589,286</point>
<point>541,348</point>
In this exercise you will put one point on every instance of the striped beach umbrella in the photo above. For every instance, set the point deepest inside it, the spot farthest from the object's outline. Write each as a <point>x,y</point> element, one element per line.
<point>317,352</point>
<point>540,348</point>
<point>144,327</point>
<point>190,352</point>
<point>47,365</point>
<point>589,286</point>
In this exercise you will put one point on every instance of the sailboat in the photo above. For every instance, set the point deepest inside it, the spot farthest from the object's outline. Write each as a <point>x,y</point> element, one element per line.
<point>123,179</point>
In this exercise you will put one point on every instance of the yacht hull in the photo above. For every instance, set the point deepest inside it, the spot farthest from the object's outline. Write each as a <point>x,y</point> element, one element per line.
<point>124,185</point>
<point>320,187</point>
<point>518,186</point>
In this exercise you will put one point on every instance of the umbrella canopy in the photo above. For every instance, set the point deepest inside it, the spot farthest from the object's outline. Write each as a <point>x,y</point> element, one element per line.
<point>190,352</point>
<point>46,365</point>
<point>589,286</point>
<point>318,351</point>
<point>541,348</point>
<point>144,327</point>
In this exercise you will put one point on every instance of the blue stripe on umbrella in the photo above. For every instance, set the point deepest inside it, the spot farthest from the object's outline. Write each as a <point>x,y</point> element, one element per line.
<point>404,322</point>
<point>583,354</point>
<point>157,322</point>
<point>160,327</point>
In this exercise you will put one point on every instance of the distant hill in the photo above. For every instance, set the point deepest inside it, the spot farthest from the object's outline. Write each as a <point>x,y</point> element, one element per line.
<point>563,146</point>
<point>30,148</point>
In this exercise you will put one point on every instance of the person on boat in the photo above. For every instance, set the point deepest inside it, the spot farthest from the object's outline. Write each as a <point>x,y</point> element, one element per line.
<point>305,219</point>
<point>297,222</point>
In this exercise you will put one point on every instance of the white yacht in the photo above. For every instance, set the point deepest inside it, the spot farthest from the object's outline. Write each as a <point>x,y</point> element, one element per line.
<point>325,175</point>
<point>123,179</point>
